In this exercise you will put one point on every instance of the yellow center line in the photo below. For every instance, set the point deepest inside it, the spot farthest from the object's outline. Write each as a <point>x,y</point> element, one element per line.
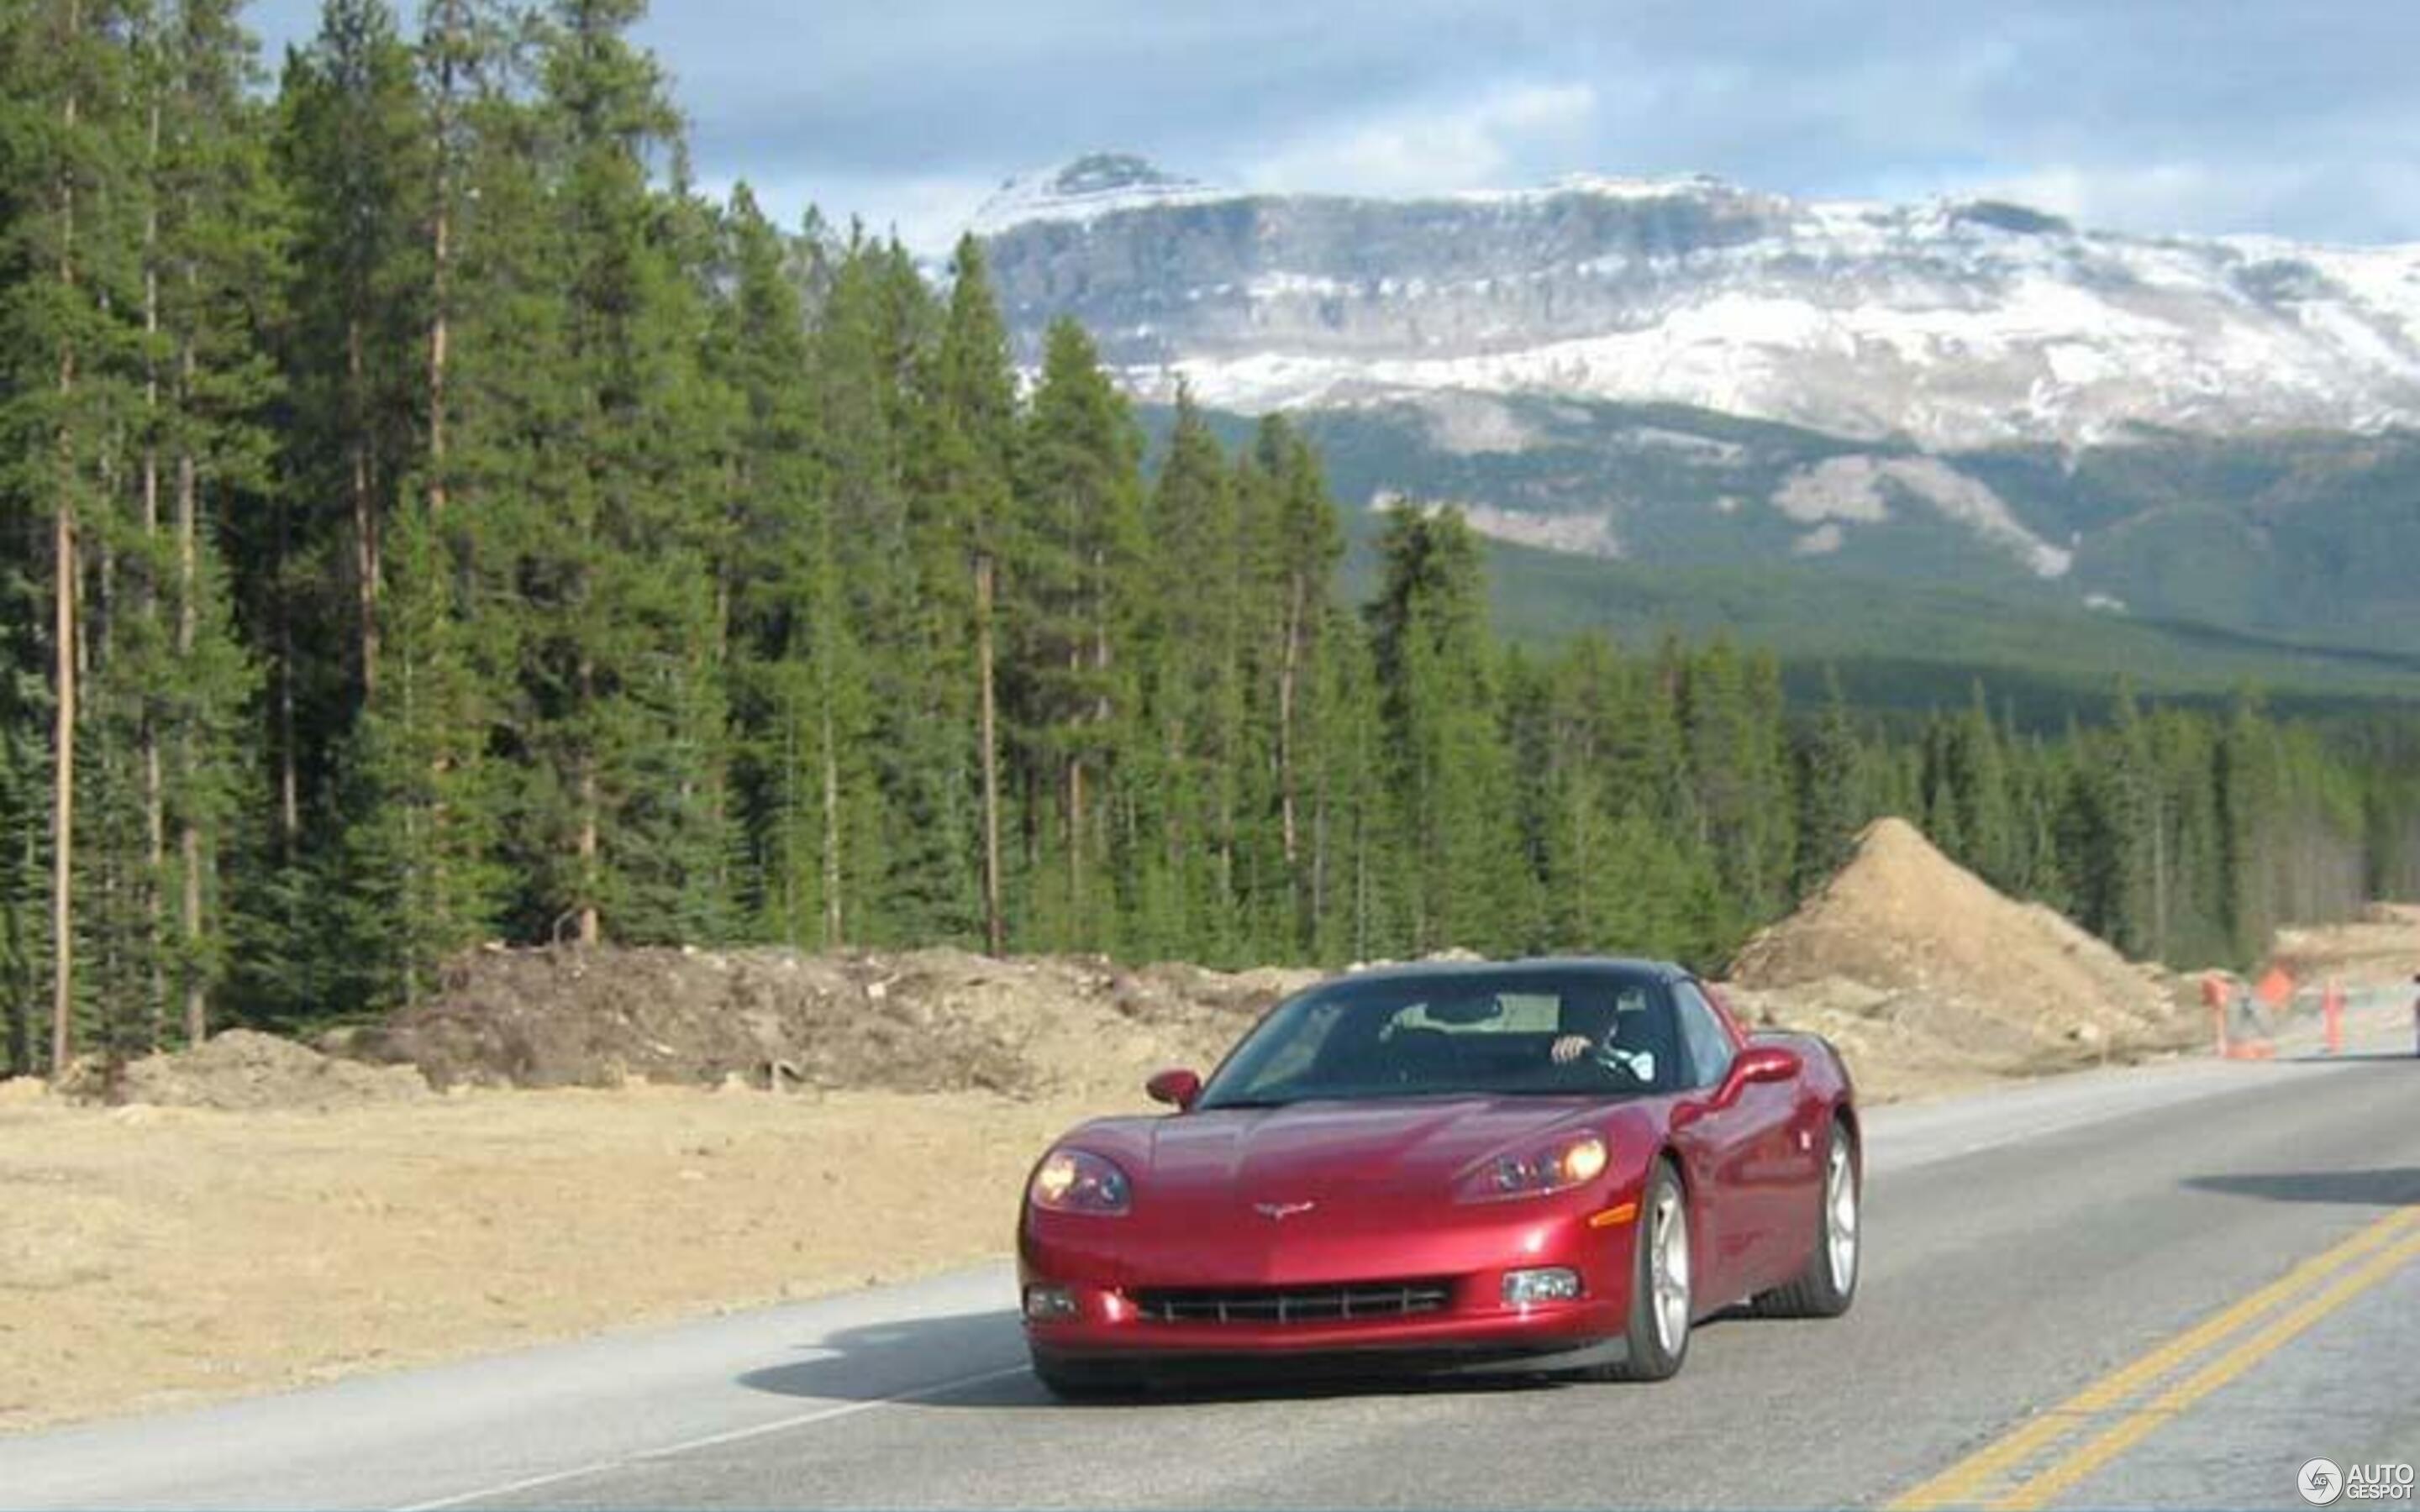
<point>2131,1430</point>
<point>1972,1481</point>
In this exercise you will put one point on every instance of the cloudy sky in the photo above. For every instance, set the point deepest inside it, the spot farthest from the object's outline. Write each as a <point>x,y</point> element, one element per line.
<point>2301,119</point>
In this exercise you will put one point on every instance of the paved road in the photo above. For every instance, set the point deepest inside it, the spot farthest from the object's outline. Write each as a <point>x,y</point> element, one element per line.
<point>2168,1286</point>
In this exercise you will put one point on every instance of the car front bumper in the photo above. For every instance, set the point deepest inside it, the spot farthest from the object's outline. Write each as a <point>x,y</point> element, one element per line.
<point>1109,1276</point>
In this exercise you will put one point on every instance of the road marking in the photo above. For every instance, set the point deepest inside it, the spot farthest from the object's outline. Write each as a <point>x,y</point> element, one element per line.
<point>713,1440</point>
<point>2132,1429</point>
<point>1973,1481</point>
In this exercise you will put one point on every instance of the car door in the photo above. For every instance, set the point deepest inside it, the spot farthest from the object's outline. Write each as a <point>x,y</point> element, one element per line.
<point>1753,1184</point>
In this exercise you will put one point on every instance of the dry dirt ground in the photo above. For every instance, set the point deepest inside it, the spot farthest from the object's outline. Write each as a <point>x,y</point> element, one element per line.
<point>257,1214</point>
<point>150,1255</point>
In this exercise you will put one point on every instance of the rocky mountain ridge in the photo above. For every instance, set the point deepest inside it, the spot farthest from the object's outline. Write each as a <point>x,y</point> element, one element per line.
<point>1945,325</point>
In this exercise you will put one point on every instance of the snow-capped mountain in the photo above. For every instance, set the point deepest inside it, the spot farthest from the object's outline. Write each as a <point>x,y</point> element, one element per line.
<point>1951,324</point>
<point>1103,183</point>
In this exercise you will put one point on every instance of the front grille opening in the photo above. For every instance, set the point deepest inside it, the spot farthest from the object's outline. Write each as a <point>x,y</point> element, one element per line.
<point>1344,1302</point>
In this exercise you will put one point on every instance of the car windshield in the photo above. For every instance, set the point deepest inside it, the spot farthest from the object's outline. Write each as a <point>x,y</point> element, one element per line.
<point>1590,1032</point>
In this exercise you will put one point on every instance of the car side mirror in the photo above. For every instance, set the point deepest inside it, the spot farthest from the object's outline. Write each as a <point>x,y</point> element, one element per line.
<point>1177,1088</point>
<point>1761,1063</point>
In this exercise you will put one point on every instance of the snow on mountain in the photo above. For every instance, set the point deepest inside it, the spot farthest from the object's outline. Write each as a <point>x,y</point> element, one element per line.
<point>1955,324</point>
<point>1845,490</point>
<point>1100,184</point>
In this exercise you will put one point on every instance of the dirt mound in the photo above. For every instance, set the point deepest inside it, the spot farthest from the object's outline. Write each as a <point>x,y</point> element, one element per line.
<point>245,1070</point>
<point>922,1021</point>
<point>1919,961</point>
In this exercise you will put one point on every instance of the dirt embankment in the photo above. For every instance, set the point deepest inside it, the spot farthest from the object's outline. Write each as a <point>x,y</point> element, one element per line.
<point>922,1020</point>
<point>242,1071</point>
<point>1924,975</point>
<point>1921,972</point>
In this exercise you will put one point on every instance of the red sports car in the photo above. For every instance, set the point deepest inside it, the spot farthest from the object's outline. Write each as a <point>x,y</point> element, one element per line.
<point>1549,1164</point>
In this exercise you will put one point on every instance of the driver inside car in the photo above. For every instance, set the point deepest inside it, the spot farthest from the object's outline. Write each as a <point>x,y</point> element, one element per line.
<point>1594,1031</point>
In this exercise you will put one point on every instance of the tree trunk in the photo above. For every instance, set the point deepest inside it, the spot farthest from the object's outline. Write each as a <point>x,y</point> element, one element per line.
<point>1075,799</point>
<point>441,253</point>
<point>1075,851</point>
<point>289,782</point>
<point>1287,676</point>
<point>591,926</point>
<point>63,548</point>
<point>155,811</point>
<point>425,887</point>
<point>1171,818</point>
<point>834,921</point>
<point>995,926</point>
<point>365,523</point>
<point>2159,878</point>
<point>1319,869</point>
<point>1101,709</point>
<point>189,827</point>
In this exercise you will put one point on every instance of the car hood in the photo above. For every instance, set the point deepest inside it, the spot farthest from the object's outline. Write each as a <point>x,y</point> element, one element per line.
<point>1328,1151</point>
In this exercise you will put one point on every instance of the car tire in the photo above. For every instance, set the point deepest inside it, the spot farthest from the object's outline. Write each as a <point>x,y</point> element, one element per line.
<point>1076,1380</point>
<point>1656,1342</point>
<point>1826,1287</point>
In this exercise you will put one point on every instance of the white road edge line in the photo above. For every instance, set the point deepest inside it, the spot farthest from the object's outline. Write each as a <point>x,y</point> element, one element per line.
<point>712,1440</point>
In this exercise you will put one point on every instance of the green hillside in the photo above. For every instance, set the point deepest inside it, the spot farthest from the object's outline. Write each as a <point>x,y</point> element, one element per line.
<point>2200,566</point>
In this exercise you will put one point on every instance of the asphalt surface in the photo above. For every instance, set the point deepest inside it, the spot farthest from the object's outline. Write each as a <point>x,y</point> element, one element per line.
<point>2022,1245</point>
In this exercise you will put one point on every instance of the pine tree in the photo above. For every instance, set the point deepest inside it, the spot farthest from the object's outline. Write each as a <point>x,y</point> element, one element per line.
<point>1834,803</point>
<point>353,160</point>
<point>1298,551</point>
<point>23,817</point>
<point>221,251</point>
<point>962,477</point>
<point>1077,581</point>
<point>1731,714</point>
<point>861,598</point>
<point>70,287</point>
<point>1356,881</point>
<point>421,878</point>
<point>2248,783</point>
<point>624,709</point>
<point>1583,875</point>
<point>768,562</point>
<point>1196,695</point>
<point>1440,702</point>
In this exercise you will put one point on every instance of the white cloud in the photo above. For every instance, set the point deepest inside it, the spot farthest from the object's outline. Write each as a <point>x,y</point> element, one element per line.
<point>1469,146</point>
<point>2159,197</point>
<point>927,213</point>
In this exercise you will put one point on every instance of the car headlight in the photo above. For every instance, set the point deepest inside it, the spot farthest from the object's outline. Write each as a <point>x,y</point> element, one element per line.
<point>1077,1180</point>
<point>1558,1166</point>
